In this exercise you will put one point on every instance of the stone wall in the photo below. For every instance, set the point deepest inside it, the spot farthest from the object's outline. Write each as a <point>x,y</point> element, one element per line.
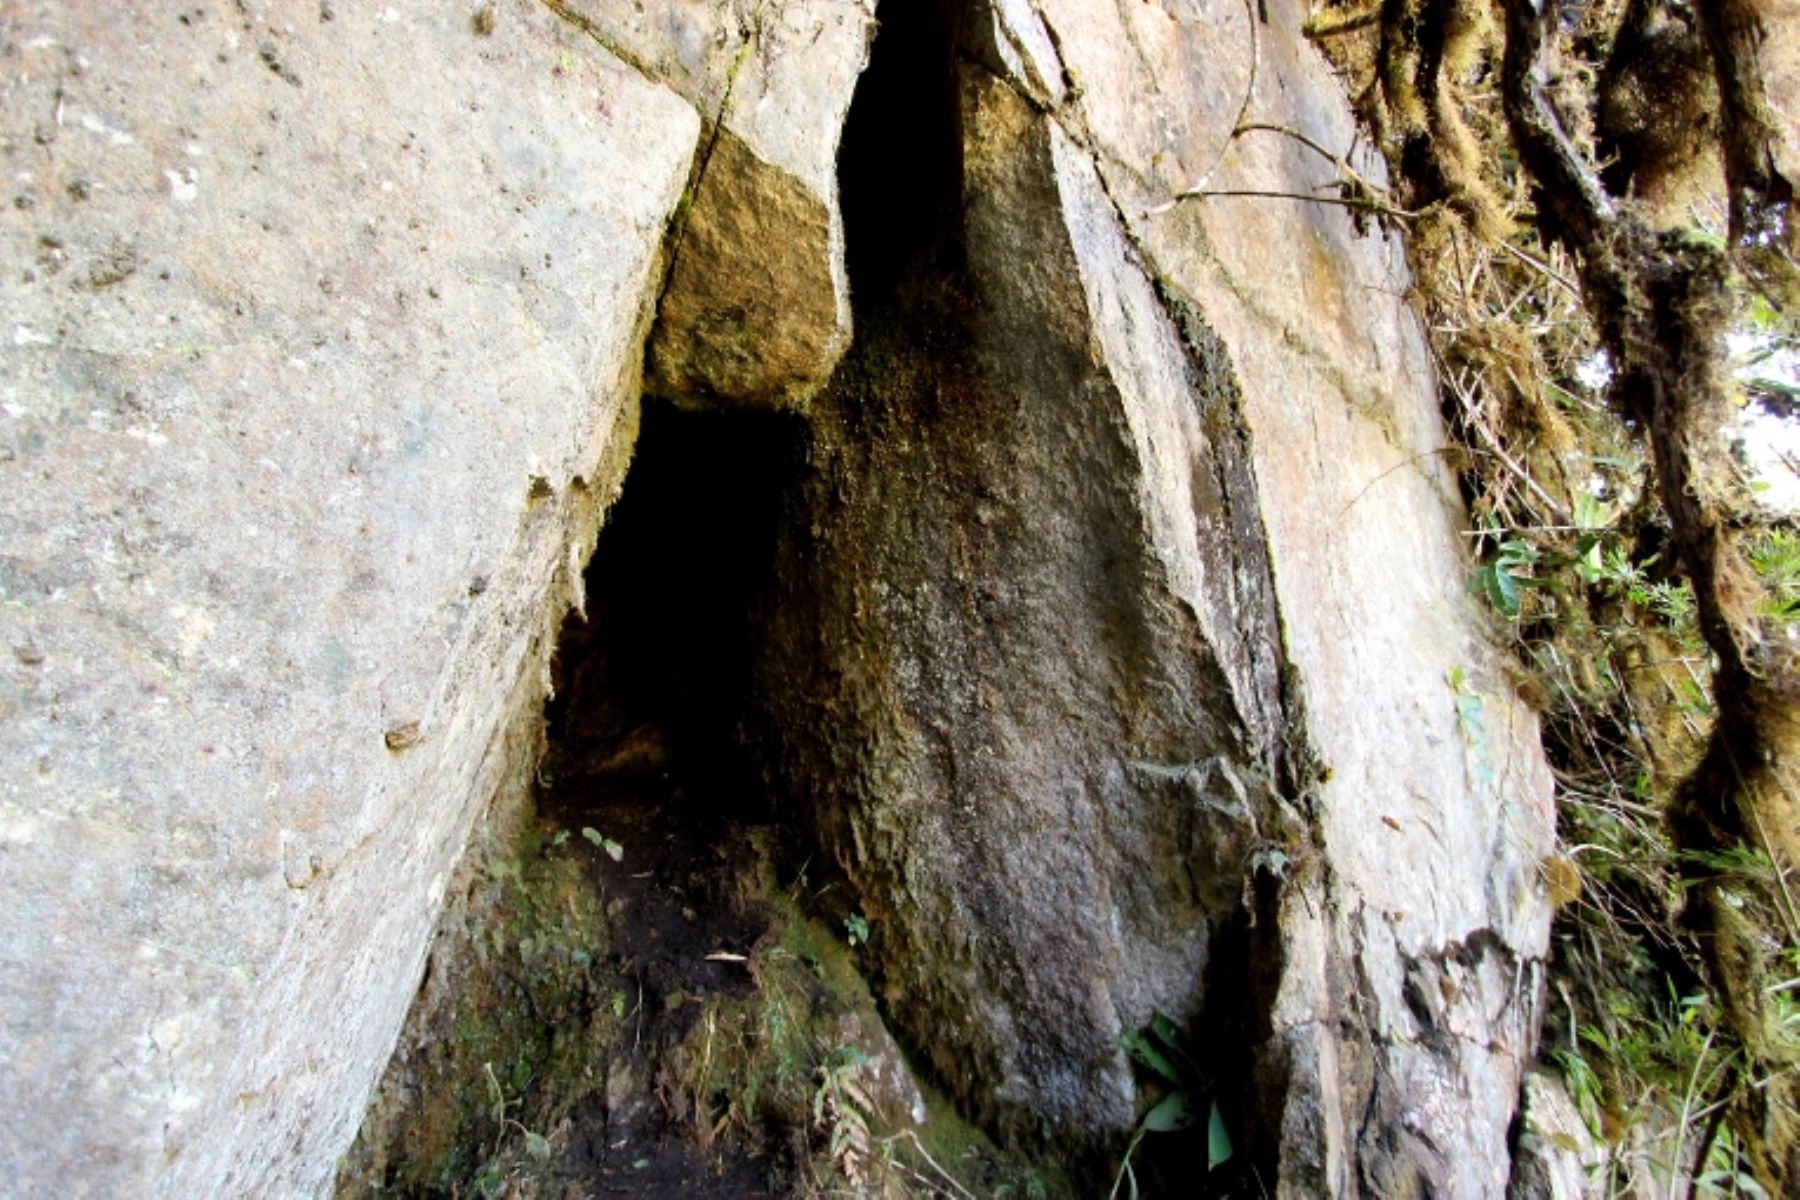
<point>1138,582</point>
<point>323,331</point>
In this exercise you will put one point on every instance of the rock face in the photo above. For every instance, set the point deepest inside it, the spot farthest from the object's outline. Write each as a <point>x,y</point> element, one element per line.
<point>757,310</point>
<point>1037,635</point>
<point>319,367</point>
<point>1122,662</point>
<point>1128,589</point>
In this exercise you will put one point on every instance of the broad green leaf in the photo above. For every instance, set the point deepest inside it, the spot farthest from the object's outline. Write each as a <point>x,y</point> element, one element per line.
<point>1589,565</point>
<point>537,1145</point>
<point>1591,512</point>
<point>1762,314</point>
<point>1516,552</point>
<point>1174,1112</point>
<point>1502,591</point>
<point>1218,1142</point>
<point>1149,1056</point>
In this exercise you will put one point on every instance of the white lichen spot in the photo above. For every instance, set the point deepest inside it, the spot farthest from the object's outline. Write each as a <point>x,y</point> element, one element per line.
<point>196,626</point>
<point>117,137</point>
<point>184,185</point>
<point>18,826</point>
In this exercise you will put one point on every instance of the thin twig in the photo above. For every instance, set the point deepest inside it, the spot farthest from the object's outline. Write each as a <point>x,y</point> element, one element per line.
<point>1199,185</point>
<point>1687,1104</point>
<point>1403,463</point>
<point>1465,394</point>
<point>1548,271</point>
<point>912,1137</point>
<point>1374,206</point>
<point>1792,913</point>
<point>1339,161</point>
<point>1125,1170</point>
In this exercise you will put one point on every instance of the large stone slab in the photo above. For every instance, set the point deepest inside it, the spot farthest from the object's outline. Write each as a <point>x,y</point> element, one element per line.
<point>319,363</point>
<point>1039,765</point>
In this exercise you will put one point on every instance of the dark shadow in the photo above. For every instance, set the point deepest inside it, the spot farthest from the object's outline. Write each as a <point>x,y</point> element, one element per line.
<point>900,167</point>
<point>659,673</point>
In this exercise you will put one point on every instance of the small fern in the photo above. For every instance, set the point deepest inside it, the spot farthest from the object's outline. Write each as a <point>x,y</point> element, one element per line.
<point>841,1108</point>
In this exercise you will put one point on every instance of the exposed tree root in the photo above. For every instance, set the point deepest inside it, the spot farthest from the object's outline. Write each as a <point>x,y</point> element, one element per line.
<point>1660,301</point>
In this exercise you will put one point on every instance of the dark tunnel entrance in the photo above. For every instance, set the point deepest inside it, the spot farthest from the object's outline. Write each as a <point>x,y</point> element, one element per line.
<point>900,168</point>
<point>657,679</point>
<point>647,760</point>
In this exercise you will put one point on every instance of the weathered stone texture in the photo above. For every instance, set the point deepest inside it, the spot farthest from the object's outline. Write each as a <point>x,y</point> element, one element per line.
<point>1036,762</point>
<point>757,309</point>
<point>1410,998</point>
<point>322,330</point>
<point>1778,60</point>
<point>1556,1158</point>
<point>755,312</point>
<point>1056,705</point>
<point>1127,568</point>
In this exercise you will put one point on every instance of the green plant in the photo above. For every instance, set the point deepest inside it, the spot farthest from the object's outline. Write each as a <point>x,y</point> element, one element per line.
<point>612,849</point>
<point>1158,1050</point>
<point>537,1146</point>
<point>856,929</point>
<point>1468,706</point>
<point>841,1109</point>
<point>1581,327</point>
<point>1775,558</point>
<point>1502,577</point>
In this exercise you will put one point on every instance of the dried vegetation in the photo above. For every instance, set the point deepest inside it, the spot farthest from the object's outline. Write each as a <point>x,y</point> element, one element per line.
<point>1597,216</point>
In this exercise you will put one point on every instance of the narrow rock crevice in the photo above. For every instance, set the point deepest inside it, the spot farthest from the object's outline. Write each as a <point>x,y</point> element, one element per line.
<point>900,177</point>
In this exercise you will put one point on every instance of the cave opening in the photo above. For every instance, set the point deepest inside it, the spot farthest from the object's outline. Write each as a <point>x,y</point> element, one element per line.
<point>647,758</point>
<point>653,685</point>
<point>720,966</point>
